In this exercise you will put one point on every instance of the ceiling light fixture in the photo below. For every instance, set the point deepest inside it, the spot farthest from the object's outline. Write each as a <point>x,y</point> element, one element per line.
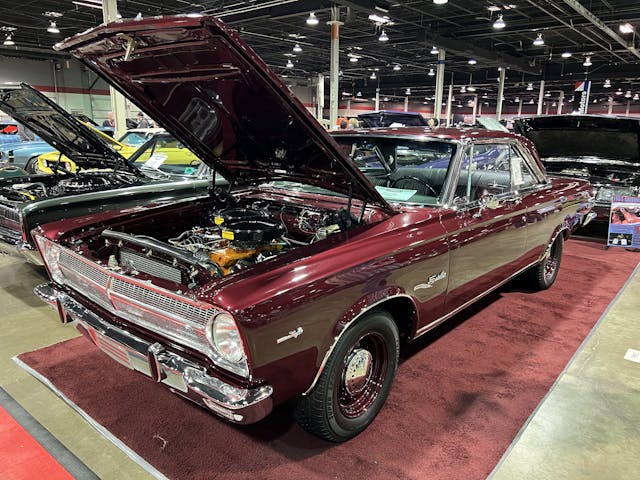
<point>628,94</point>
<point>472,61</point>
<point>626,28</point>
<point>8,41</point>
<point>353,59</point>
<point>397,67</point>
<point>463,89</point>
<point>619,91</point>
<point>607,83</point>
<point>431,72</point>
<point>539,41</point>
<point>53,28</point>
<point>434,50</point>
<point>97,6</point>
<point>440,2</point>
<point>373,76</point>
<point>587,62</point>
<point>471,88</point>
<point>499,24</point>
<point>289,64</point>
<point>407,91</point>
<point>383,37</point>
<point>297,48</point>
<point>312,19</point>
<point>547,94</point>
<point>530,86</point>
<point>566,55</point>
<point>636,97</point>
<point>380,20</point>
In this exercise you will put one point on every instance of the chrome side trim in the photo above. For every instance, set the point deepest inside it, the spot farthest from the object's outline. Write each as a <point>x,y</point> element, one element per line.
<point>182,376</point>
<point>435,323</point>
<point>346,327</point>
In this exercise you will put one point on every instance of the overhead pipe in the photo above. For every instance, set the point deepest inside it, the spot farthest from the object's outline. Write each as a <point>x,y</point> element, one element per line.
<point>602,26</point>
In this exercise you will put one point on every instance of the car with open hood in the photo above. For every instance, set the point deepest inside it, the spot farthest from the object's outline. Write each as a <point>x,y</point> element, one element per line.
<point>300,280</point>
<point>161,170</point>
<point>604,150</point>
<point>64,136</point>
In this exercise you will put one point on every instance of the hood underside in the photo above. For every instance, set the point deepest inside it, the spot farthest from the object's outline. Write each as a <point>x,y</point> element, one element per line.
<point>59,128</point>
<point>583,136</point>
<point>201,82</point>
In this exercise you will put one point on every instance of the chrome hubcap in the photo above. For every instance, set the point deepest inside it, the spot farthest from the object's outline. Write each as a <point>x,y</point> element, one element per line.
<point>357,371</point>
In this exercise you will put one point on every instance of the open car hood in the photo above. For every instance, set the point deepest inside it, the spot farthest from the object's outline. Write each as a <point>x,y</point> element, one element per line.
<point>200,81</point>
<point>583,137</point>
<point>60,129</point>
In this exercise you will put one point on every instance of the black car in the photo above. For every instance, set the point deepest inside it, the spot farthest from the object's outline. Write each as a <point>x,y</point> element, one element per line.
<point>161,170</point>
<point>602,149</point>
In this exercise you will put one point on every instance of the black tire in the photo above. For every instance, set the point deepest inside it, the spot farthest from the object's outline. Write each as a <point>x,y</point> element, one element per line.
<point>32,165</point>
<point>545,273</point>
<point>355,382</point>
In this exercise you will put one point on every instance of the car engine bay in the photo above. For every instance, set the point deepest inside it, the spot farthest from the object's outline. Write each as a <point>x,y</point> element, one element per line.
<point>223,241</point>
<point>18,190</point>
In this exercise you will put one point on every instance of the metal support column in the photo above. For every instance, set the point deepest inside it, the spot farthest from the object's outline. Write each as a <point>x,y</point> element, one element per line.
<point>320,97</point>
<point>118,105</point>
<point>449,105</point>
<point>439,85</point>
<point>474,113</point>
<point>500,94</point>
<point>377,100</point>
<point>541,98</point>
<point>406,104</point>
<point>560,103</point>
<point>334,67</point>
<point>610,110</point>
<point>520,107</point>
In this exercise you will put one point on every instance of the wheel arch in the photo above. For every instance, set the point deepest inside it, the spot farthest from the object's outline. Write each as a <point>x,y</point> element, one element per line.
<point>400,306</point>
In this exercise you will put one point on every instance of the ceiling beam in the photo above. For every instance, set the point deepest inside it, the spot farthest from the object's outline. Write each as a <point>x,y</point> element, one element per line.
<point>602,26</point>
<point>459,47</point>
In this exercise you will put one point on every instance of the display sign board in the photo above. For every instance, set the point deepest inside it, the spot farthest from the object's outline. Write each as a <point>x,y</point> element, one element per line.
<point>624,222</point>
<point>581,96</point>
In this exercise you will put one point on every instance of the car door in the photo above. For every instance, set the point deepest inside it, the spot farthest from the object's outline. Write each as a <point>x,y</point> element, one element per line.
<point>487,224</point>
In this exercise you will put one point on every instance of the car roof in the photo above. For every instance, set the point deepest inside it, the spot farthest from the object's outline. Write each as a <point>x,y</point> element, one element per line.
<point>453,134</point>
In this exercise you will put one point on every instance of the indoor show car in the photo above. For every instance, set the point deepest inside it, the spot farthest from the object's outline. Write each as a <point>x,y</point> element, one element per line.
<point>391,118</point>
<point>101,179</point>
<point>604,150</point>
<point>39,113</point>
<point>301,279</point>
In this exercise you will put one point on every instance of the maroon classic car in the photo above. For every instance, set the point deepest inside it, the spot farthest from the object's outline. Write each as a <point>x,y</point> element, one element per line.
<point>301,280</point>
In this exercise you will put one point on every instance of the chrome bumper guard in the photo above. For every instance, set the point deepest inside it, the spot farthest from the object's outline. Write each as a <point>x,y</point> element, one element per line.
<point>182,376</point>
<point>18,248</point>
<point>586,220</point>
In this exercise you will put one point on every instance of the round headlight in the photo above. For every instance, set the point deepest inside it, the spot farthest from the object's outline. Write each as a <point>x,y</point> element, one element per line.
<point>226,338</point>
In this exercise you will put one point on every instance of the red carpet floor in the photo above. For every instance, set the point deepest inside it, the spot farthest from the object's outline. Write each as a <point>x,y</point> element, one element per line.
<point>460,396</point>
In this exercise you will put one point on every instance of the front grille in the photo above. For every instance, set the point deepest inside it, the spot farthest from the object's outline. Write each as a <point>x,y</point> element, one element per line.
<point>146,305</point>
<point>9,217</point>
<point>150,266</point>
<point>161,303</point>
<point>71,264</point>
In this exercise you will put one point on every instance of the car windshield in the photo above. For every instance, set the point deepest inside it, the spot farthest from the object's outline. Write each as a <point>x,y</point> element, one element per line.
<point>163,153</point>
<point>134,139</point>
<point>402,170</point>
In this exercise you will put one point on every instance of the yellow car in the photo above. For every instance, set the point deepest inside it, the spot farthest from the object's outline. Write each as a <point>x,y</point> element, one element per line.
<point>46,161</point>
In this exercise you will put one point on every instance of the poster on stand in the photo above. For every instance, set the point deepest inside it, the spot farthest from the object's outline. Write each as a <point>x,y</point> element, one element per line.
<point>624,222</point>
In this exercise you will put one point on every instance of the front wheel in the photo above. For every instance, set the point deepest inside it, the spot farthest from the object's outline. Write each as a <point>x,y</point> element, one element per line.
<point>545,273</point>
<point>355,382</point>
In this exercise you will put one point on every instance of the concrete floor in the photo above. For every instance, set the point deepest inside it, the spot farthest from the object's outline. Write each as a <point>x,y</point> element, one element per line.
<point>587,427</point>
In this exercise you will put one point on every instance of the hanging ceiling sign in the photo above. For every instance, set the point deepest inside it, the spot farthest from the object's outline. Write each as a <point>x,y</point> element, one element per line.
<point>581,96</point>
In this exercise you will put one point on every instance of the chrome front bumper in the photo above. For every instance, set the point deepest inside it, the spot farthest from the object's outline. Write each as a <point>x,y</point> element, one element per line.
<point>16,247</point>
<point>182,376</point>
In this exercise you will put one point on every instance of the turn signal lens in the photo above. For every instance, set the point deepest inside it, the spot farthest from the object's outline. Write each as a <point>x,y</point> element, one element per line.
<point>50,252</point>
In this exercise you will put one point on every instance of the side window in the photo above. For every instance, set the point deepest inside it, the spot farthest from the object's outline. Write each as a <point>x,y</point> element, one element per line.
<point>485,171</point>
<point>521,176</point>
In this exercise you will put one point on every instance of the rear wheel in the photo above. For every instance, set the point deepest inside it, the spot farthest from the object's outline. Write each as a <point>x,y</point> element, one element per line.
<point>545,273</point>
<point>355,382</point>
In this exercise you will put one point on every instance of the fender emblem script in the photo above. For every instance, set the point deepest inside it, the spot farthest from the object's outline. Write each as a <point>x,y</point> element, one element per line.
<point>431,281</point>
